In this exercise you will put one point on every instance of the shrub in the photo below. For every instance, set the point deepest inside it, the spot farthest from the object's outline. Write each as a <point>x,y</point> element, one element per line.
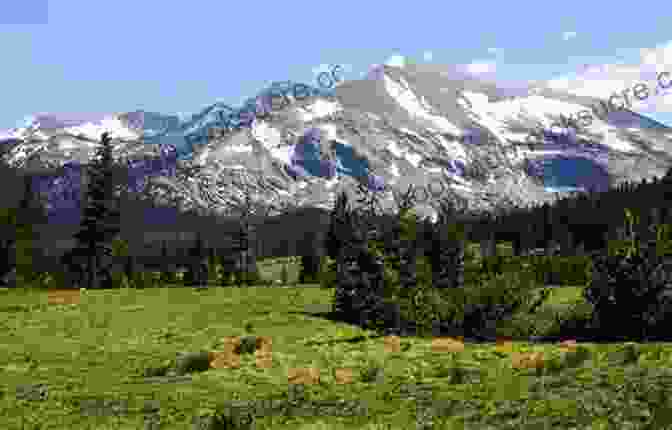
<point>630,288</point>
<point>556,270</point>
<point>168,277</point>
<point>284,276</point>
<point>310,269</point>
<point>52,280</point>
<point>224,276</point>
<point>475,309</point>
<point>213,267</point>
<point>144,279</point>
<point>328,277</point>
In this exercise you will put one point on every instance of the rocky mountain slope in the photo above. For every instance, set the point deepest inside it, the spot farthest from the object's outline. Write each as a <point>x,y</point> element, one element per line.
<point>442,130</point>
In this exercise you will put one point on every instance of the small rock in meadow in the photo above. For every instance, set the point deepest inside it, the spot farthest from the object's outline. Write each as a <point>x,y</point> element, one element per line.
<point>248,344</point>
<point>192,362</point>
<point>34,392</point>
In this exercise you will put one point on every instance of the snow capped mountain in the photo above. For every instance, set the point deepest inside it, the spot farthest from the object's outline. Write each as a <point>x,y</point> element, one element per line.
<point>442,129</point>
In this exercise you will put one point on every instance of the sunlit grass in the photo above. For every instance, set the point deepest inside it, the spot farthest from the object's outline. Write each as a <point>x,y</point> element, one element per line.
<point>97,349</point>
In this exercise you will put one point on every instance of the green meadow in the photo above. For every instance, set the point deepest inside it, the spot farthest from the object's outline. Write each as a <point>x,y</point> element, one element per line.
<point>84,366</point>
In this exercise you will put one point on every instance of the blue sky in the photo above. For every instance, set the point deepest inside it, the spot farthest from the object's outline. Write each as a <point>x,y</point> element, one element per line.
<point>177,57</point>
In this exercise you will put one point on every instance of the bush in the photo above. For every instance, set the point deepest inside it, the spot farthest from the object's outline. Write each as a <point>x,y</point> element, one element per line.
<point>476,309</point>
<point>555,270</point>
<point>144,280</point>
<point>310,269</point>
<point>224,277</point>
<point>51,280</point>
<point>629,294</point>
<point>168,277</point>
<point>328,276</point>
<point>631,289</point>
<point>284,276</point>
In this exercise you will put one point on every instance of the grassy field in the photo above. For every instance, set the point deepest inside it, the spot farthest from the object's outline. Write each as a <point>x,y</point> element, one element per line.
<point>90,357</point>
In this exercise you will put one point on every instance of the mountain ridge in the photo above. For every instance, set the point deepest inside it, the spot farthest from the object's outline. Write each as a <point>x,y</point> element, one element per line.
<point>402,126</point>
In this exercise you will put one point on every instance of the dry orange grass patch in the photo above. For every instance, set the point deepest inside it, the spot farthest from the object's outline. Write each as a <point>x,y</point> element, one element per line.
<point>529,360</point>
<point>447,344</point>
<point>303,375</point>
<point>504,344</point>
<point>264,343</point>
<point>392,343</point>
<point>263,360</point>
<point>63,297</point>
<point>568,345</point>
<point>224,360</point>
<point>230,343</point>
<point>344,375</point>
<point>263,354</point>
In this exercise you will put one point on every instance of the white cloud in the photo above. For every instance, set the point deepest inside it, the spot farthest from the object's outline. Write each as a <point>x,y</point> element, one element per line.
<point>602,81</point>
<point>568,35</point>
<point>396,61</point>
<point>427,55</point>
<point>481,67</point>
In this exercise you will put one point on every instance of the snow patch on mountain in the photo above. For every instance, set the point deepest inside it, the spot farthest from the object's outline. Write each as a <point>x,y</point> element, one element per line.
<point>397,129</point>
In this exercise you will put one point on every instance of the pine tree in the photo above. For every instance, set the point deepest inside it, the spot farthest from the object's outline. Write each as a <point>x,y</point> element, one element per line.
<point>403,248</point>
<point>30,213</point>
<point>447,252</point>
<point>196,274</point>
<point>100,219</point>
<point>333,243</point>
<point>7,223</point>
<point>360,280</point>
<point>213,265</point>
<point>167,274</point>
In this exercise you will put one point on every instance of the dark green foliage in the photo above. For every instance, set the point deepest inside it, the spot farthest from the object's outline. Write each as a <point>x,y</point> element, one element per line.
<point>100,218</point>
<point>129,267</point>
<point>310,269</point>
<point>630,294</point>
<point>31,212</point>
<point>248,344</point>
<point>241,247</point>
<point>631,288</point>
<point>403,245</point>
<point>168,276</point>
<point>447,248</point>
<point>284,276</point>
<point>144,279</point>
<point>493,265</point>
<point>226,418</point>
<point>559,270</point>
<point>18,234</point>
<point>358,296</point>
<point>333,242</point>
<point>251,278</point>
<point>213,265</point>
<point>197,268</point>
<point>224,278</point>
<point>475,311</point>
<point>73,262</point>
<point>192,362</point>
<point>224,270</point>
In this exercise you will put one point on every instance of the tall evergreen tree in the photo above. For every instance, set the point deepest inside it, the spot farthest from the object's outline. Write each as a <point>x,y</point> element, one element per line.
<point>360,279</point>
<point>447,251</point>
<point>31,214</point>
<point>197,271</point>
<point>16,223</point>
<point>167,273</point>
<point>403,249</point>
<point>100,219</point>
